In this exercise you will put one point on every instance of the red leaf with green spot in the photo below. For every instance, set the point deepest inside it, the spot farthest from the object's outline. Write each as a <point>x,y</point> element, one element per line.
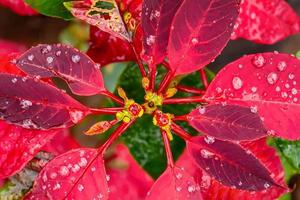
<point>72,175</point>
<point>268,83</point>
<point>231,164</point>
<point>81,73</point>
<point>266,22</point>
<point>157,17</point>
<point>35,104</point>
<point>175,183</point>
<point>18,146</point>
<point>18,6</point>
<point>199,32</point>
<point>227,122</point>
<point>212,189</point>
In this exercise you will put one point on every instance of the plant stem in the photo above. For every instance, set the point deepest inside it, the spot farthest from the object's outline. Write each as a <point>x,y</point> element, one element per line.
<point>121,129</point>
<point>139,62</point>
<point>167,148</point>
<point>113,97</point>
<point>185,100</point>
<point>204,78</point>
<point>107,111</point>
<point>190,89</point>
<point>180,132</point>
<point>166,64</point>
<point>166,81</point>
<point>152,70</point>
<point>180,118</point>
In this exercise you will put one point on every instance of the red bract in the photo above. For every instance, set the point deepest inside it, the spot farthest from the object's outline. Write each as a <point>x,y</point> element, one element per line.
<point>266,21</point>
<point>18,6</point>
<point>268,84</point>
<point>18,146</point>
<point>8,47</point>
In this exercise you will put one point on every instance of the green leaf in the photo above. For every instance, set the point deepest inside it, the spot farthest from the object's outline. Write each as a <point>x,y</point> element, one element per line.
<point>52,8</point>
<point>143,138</point>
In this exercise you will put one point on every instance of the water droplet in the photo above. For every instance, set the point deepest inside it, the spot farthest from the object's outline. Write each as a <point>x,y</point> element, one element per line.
<point>284,95</point>
<point>240,183</point>
<point>202,110</point>
<point>53,175</point>
<point>277,89</point>
<point>195,41</point>
<point>75,168</point>
<point>237,83</point>
<point>58,53</point>
<point>294,91</point>
<point>30,57</point>
<point>64,171</point>
<point>75,58</point>
<point>83,162</point>
<point>76,116</point>
<point>179,176</point>
<point>258,61</point>
<point>25,104</point>
<point>219,90</point>
<point>272,78</point>
<point>150,40</point>
<point>206,154</point>
<point>80,187</point>
<point>209,139</point>
<point>291,76</point>
<point>107,177</point>
<point>191,188</point>
<point>266,185</point>
<point>178,189</point>
<point>56,186</point>
<point>253,109</point>
<point>93,169</point>
<point>14,80</point>
<point>287,86</point>
<point>240,66</point>
<point>254,89</point>
<point>49,60</point>
<point>281,66</point>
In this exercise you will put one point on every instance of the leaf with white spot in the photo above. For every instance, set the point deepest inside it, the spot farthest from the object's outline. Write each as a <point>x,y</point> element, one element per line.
<point>104,14</point>
<point>34,104</point>
<point>266,22</point>
<point>175,183</point>
<point>199,32</point>
<point>231,164</point>
<point>75,67</point>
<point>227,122</point>
<point>267,83</point>
<point>76,174</point>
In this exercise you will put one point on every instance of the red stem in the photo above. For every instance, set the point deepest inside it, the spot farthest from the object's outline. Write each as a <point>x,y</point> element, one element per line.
<point>166,81</point>
<point>152,77</point>
<point>167,148</point>
<point>101,151</point>
<point>180,118</point>
<point>113,97</point>
<point>203,78</point>
<point>108,111</point>
<point>139,62</point>
<point>185,100</point>
<point>166,64</point>
<point>190,89</point>
<point>180,132</point>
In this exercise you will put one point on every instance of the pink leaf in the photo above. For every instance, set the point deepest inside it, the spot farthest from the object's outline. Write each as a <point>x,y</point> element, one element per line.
<point>34,104</point>
<point>130,181</point>
<point>157,16</point>
<point>81,73</point>
<point>7,47</point>
<point>18,6</point>
<point>269,84</point>
<point>230,164</point>
<point>175,183</point>
<point>72,175</point>
<point>227,122</point>
<point>266,21</point>
<point>18,146</point>
<point>211,189</point>
<point>200,30</point>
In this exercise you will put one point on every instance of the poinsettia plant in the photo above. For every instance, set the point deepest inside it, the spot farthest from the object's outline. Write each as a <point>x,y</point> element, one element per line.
<point>224,127</point>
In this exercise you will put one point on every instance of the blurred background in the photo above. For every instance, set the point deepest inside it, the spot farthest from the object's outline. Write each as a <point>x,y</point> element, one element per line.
<point>41,29</point>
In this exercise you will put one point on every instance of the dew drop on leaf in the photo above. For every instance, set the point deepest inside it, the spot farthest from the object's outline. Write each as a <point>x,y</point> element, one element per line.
<point>49,60</point>
<point>80,187</point>
<point>272,78</point>
<point>209,139</point>
<point>75,58</point>
<point>258,61</point>
<point>281,66</point>
<point>237,83</point>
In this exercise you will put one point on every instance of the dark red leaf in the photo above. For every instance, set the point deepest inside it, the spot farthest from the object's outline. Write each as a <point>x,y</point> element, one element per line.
<point>230,164</point>
<point>81,73</point>
<point>18,146</point>
<point>175,183</point>
<point>269,84</point>
<point>34,104</point>
<point>227,122</point>
<point>127,180</point>
<point>72,175</point>
<point>266,21</point>
<point>157,16</point>
<point>18,6</point>
<point>212,189</point>
<point>199,32</point>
